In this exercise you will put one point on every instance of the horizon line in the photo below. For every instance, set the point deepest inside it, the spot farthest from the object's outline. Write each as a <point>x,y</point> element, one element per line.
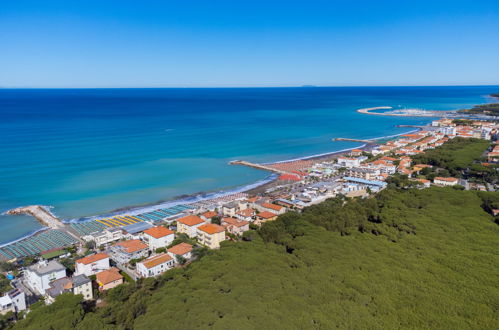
<point>249,86</point>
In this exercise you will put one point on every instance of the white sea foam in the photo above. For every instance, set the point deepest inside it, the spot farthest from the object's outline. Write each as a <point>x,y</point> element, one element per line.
<point>174,202</point>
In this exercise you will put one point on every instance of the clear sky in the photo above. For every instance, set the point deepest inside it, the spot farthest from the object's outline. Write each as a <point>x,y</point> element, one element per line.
<point>190,43</point>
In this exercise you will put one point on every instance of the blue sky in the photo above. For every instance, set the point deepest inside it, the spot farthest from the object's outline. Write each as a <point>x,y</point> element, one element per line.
<point>248,43</point>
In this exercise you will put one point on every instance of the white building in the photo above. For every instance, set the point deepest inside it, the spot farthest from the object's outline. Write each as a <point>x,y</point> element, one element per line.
<point>188,225</point>
<point>39,276</point>
<point>155,265</point>
<point>348,162</point>
<point>183,250</point>
<point>448,130</point>
<point>123,252</point>
<point>79,284</point>
<point>445,181</point>
<point>12,301</point>
<point>157,237</point>
<point>230,209</point>
<point>92,264</point>
<point>108,235</point>
<point>269,207</point>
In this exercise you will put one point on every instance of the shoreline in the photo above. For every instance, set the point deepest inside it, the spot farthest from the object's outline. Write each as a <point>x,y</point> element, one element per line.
<point>254,188</point>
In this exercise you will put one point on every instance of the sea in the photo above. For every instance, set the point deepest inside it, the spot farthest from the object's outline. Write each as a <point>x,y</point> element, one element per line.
<point>88,152</point>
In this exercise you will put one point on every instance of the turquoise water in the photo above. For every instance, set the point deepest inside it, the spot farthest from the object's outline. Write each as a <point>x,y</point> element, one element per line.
<point>91,151</point>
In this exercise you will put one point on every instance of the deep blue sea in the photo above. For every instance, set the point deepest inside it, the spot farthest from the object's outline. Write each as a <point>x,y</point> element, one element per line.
<point>91,151</point>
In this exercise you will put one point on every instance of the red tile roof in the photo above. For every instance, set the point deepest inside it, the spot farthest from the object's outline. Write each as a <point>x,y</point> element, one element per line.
<point>246,212</point>
<point>272,206</point>
<point>191,220</point>
<point>180,249</point>
<point>210,214</point>
<point>211,228</point>
<point>108,276</point>
<point>445,179</point>
<point>158,232</point>
<point>92,258</point>
<point>132,245</point>
<point>266,215</point>
<point>235,222</point>
<point>156,260</point>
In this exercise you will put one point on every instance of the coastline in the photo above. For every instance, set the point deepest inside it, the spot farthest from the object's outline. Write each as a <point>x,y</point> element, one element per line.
<point>254,188</point>
<point>251,188</point>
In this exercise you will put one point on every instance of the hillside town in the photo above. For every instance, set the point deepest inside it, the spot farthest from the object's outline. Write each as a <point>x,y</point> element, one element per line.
<point>108,252</point>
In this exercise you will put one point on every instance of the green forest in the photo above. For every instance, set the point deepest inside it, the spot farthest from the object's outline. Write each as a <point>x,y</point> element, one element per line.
<point>461,158</point>
<point>405,258</point>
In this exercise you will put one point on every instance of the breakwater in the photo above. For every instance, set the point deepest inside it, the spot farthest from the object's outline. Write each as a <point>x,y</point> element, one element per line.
<point>40,213</point>
<point>257,166</point>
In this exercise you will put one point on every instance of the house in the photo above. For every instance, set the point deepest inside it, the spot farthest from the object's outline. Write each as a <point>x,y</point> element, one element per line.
<point>356,152</point>
<point>348,162</point>
<point>276,209</point>
<point>106,236</point>
<point>183,250</point>
<point>230,209</point>
<point>109,279</point>
<point>286,203</point>
<point>264,217</point>
<point>188,225</point>
<point>363,173</point>
<point>92,264</point>
<point>155,265</point>
<point>425,183</point>
<point>211,235</point>
<point>235,226</point>
<point>123,252</point>
<point>157,237</point>
<point>13,301</point>
<point>246,214</point>
<point>445,181</point>
<point>79,284</point>
<point>39,276</point>
<point>206,216</point>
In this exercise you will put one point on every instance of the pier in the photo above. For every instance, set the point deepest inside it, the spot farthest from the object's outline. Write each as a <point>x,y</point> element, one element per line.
<point>353,140</point>
<point>257,166</point>
<point>412,126</point>
<point>40,213</point>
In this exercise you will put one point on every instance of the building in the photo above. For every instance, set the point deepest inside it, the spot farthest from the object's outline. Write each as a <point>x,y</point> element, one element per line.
<point>423,182</point>
<point>79,284</point>
<point>348,162</point>
<point>207,216</point>
<point>39,276</point>
<point>211,235</point>
<point>365,173</point>
<point>106,236</point>
<point>188,225</point>
<point>268,207</point>
<point>155,265</point>
<point>235,226</point>
<point>109,279</point>
<point>135,230</point>
<point>183,250</point>
<point>264,217</point>
<point>246,214</point>
<point>92,264</point>
<point>445,181</point>
<point>157,237</point>
<point>123,252</point>
<point>361,184</point>
<point>13,301</point>
<point>230,209</point>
